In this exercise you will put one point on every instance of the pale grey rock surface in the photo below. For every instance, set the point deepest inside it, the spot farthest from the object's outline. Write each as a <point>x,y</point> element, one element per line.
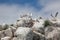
<point>52,33</point>
<point>14,38</point>
<point>24,21</point>
<point>2,34</point>
<point>1,27</point>
<point>27,28</point>
<point>38,26</point>
<point>24,33</point>
<point>6,38</point>
<point>8,32</point>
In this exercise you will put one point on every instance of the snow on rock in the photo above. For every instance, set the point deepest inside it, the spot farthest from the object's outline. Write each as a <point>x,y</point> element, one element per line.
<point>24,33</point>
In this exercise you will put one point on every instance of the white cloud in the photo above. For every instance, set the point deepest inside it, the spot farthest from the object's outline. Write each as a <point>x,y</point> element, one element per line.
<point>50,6</point>
<point>10,13</point>
<point>45,2</point>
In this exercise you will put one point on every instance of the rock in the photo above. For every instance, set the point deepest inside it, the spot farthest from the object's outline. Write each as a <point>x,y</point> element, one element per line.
<point>55,22</point>
<point>52,33</point>
<point>8,32</point>
<point>38,26</point>
<point>48,29</point>
<point>14,38</point>
<point>1,34</point>
<point>24,21</point>
<point>13,25</point>
<point>5,26</point>
<point>13,29</point>
<point>38,36</point>
<point>1,27</point>
<point>24,33</point>
<point>5,38</point>
<point>20,23</point>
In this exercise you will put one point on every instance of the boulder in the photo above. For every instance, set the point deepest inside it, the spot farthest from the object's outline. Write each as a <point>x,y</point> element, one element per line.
<point>6,38</point>
<point>52,33</point>
<point>38,26</point>
<point>13,29</point>
<point>24,33</point>
<point>20,23</point>
<point>5,26</point>
<point>8,32</point>
<point>14,38</point>
<point>24,21</point>
<point>2,34</point>
<point>1,27</point>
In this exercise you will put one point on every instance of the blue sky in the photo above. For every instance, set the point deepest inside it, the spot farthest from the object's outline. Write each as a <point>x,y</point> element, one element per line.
<point>33,3</point>
<point>10,10</point>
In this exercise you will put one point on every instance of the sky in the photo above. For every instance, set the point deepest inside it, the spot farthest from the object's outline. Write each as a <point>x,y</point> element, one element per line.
<point>10,10</point>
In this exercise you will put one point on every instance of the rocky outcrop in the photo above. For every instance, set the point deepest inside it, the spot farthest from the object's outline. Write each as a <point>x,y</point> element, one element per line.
<point>52,33</point>
<point>6,38</point>
<point>27,28</point>
<point>24,33</point>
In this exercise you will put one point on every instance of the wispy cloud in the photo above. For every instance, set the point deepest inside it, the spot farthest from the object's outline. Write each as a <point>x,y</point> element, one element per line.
<point>10,13</point>
<point>49,6</point>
